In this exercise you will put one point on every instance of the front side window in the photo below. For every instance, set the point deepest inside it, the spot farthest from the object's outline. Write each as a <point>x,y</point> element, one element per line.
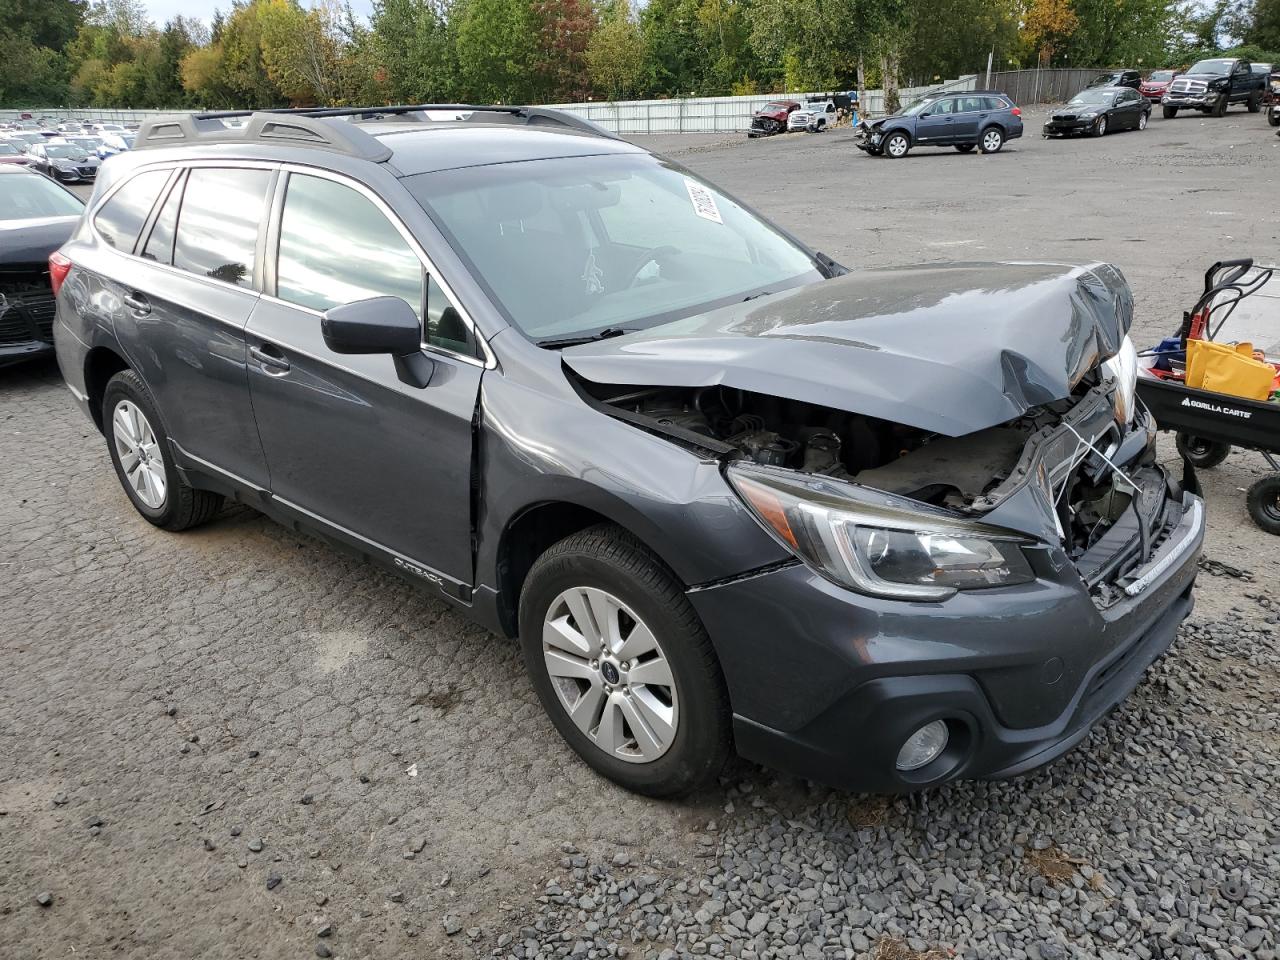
<point>570,246</point>
<point>918,107</point>
<point>218,225</point>
<point>337,247</point>
<point>121,218</point>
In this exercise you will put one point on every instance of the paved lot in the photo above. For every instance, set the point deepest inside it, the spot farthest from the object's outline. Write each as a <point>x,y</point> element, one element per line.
<point>184,718</point>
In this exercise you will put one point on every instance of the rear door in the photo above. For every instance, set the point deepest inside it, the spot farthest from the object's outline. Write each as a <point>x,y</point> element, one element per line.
<point>380,464</point>
<point>970,114</point>
<point>181,298</point>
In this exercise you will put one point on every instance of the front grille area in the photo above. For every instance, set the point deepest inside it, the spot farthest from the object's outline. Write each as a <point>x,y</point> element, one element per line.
<point>1188,86</point>
<point>26,309</point>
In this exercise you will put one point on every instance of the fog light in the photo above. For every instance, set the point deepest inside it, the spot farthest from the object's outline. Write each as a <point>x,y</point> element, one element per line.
<point>924,746</point>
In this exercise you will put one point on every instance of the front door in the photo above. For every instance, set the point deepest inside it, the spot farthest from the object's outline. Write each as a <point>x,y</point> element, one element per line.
<point>933,127</point>
<point>378,463</point>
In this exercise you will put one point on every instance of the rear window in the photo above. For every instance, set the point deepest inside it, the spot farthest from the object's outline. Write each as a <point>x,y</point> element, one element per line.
<point>218,225</point>
<point>29,196</point>
<point>121,218</point>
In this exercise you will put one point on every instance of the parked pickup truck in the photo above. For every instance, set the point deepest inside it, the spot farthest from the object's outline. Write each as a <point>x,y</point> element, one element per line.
<point>1210,86</point>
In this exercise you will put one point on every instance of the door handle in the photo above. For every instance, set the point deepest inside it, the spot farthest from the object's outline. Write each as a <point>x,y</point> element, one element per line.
<point>273,361</point>
<point>137,303</point>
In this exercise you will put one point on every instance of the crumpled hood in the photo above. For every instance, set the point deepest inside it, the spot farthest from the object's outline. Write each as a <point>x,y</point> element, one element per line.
<point>950,348</point>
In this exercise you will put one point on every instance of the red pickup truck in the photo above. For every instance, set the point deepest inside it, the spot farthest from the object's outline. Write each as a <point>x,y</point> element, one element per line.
<point>772,118</point>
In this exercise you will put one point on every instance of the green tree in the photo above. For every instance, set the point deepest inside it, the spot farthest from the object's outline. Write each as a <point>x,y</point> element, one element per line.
<point>616,55</point>
<point>411,51</point>
<point>1261,25</point>
<point>496,50</point>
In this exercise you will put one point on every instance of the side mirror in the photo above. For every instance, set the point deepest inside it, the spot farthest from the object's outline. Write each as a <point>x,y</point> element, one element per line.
<point>380,325</point>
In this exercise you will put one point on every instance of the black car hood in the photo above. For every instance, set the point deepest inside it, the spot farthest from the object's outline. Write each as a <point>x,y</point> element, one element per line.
<point>949,348</point>
<point>1203,76</point>
<point>31,241</point>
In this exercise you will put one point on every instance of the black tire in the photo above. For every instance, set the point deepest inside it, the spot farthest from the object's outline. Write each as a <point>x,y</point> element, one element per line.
<point>1100,127</point>
<point>903,148</point>
<point>1170,112</point>
<point>1144,119</point>
<point>1255,103</point>
<point>183,506</point>
<point>608,558</point>
<point>1263,502</point>
<point>965,147</point>
<point>991,140</point>
<point>1220,108</point>
<point>1202,453</point>
<point>1273,117</point>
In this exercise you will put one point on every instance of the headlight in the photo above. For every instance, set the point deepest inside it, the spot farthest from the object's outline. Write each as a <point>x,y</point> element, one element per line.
<point>878,543</point>
<point>1123,369</point>
<point>1088,114</point>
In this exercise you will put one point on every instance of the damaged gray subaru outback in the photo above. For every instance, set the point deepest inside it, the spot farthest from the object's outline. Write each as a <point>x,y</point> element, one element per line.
<point>881,529</point>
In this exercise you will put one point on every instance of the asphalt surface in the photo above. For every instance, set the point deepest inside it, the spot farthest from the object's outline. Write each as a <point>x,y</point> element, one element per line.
<point>186,718</point>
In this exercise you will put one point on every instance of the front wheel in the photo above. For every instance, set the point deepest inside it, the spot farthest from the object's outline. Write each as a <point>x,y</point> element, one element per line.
<point>1170,112</point>
<point>1273,117</point>
<point>1143,118</point>
<point>1220,108</point>
<point>992,140</point>
<point>139,450</point>
<point>1202,453</point>
<point>1100,128</point>
<point>897,145</point>
<point>1263,502</point>
<point>622,664</point>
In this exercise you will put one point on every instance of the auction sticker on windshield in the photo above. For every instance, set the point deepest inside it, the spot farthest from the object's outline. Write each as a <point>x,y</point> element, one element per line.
<point>704,204</point>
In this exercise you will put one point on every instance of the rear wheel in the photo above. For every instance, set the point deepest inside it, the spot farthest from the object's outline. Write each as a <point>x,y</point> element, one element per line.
<point>1255,103</point>
<point>622,664</point>
<point>1202,453</point>
<point>140,453</point>
<point>965,147</point>
<point>1263,502</point>
<point>896,145</point>
<point>992,140</point>
<point>1170,112</point>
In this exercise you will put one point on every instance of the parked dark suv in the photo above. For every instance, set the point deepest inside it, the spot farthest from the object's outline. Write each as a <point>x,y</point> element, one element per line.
<point>883,529</point>
<point>974,118</point>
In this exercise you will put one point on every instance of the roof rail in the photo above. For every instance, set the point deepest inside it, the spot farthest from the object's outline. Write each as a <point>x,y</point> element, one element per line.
<point>272,127</point>
<point>473,112</point>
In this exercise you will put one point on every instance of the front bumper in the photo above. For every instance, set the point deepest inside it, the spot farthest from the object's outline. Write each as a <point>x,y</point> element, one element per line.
<point>1060,127</point>
<point>828,684</point>
<point>1192,101</point>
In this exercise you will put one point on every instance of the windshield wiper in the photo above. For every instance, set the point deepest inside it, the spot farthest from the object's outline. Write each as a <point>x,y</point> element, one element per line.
<point>756,296</point>
<point>604,334</point>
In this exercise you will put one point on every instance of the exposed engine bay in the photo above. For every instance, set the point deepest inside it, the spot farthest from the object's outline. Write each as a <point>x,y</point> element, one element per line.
<point>1108,519</point>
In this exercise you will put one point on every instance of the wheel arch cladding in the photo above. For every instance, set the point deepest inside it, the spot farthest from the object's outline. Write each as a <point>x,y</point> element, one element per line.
<point>532,532</point>
<point>100,365</point>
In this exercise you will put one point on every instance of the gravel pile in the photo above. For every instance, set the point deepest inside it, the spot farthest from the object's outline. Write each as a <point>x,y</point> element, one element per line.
<point>1159,837</point>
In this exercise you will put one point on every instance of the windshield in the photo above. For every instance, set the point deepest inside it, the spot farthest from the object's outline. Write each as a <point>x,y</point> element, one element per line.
<point>572,246</point>
<point>65,151</point>
<point>1220,67</point>
<point>1092,96</point>
<point>29,197</point>
<point>916,107</point>
<point>774,107</point>
<point>1162,76</point>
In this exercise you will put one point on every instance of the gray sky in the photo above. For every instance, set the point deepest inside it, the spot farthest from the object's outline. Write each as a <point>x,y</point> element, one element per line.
<point>162,10</point>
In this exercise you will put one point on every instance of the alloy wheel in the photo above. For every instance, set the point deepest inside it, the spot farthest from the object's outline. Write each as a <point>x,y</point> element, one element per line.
<point>1142,120</point>
<point>610,674</point>
<point>139,451</point>
<point>991,141</point>
<point>1102,126</point>
<point>896,146</point>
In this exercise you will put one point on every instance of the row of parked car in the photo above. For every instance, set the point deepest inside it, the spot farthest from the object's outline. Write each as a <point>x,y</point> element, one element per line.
<point>1116,100</point>
<point>70,152</point>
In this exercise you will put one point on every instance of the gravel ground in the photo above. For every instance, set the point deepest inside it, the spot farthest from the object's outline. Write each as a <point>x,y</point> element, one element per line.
<point>237,743</point>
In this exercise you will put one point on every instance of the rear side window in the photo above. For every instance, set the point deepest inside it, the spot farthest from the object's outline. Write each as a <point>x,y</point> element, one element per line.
<point>337,247</point>
<point>121,218</point>
<point>218,224</point>
<point>159,246</point>
<point>995,103</point>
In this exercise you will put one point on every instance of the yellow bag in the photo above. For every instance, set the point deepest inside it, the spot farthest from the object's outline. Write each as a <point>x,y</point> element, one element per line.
<point>1228,368</point>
